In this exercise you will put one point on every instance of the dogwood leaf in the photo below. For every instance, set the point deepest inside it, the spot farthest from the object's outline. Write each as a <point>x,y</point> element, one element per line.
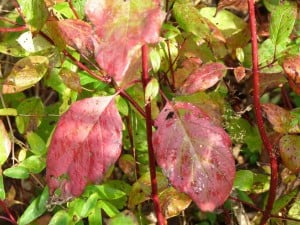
<point>82,40</point>
<point>203,78</point>
<point>85,143</point>
<point>121,28</point>
<point>195,154</point>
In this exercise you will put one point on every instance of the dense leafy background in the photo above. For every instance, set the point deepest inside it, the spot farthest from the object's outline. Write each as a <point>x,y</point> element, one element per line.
<point>73,134</point>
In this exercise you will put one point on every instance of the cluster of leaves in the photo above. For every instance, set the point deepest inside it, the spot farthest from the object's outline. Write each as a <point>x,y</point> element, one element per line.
<point>75,140</point>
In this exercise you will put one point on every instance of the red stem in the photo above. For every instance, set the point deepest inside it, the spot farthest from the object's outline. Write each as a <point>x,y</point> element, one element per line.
<point>259,119</point>
<point>145,80</point>
<point>12,29</point>
<point>11,218</point>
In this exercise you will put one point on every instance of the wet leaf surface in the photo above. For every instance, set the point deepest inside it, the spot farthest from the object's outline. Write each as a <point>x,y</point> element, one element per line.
<point>194,154</point>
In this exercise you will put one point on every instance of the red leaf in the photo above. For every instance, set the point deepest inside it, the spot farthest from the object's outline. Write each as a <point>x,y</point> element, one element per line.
<point>194,154</point>
<point>86,141</point>
<point>121,28</point>
<point>203,78</point>
<point>77,34</point>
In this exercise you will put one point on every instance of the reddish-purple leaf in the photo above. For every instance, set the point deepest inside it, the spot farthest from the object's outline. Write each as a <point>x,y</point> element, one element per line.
<point>121,28</point>
<point>203,78</point>
<point>77,34</point>
<point>86,141</point>
<point>195,154</point>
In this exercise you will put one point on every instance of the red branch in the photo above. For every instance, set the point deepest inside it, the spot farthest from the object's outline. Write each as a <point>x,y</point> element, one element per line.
<point>145,80</point>
<point>259,119</point>
<point>12,29</point>
<point>11,218</point>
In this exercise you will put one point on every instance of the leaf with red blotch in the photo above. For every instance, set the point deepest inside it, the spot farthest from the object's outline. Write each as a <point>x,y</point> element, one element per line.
<point>280,118</point>
<point>203,78</point>
<point>86,141</point>
<point>194,154</point>
<point>291,66</point>
<point>77,34</point>
<point>121,28</point>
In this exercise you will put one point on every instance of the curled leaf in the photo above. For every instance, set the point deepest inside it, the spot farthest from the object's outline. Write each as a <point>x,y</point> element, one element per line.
<point>194,154</point>
<point>86,141</point>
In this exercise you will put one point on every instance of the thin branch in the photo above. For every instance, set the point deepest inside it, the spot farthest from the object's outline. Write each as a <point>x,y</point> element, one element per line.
<point>12,29</point>
<point>145,79</point>
<point>73,9</point>
<point>11,218</point>
<point>259,119</point>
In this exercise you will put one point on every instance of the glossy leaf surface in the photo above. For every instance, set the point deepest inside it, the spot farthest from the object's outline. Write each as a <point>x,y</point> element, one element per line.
<point>25,73</point>
<point>86,141</point>
<point>194,154</point>
<point>121,28</point>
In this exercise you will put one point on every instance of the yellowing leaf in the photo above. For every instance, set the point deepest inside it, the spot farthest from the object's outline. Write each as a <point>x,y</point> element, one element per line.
<point>25,73</point>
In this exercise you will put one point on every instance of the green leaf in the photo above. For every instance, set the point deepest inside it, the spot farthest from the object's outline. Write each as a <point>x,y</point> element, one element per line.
<point>95,218</point>
<point>226,21</point>
<point>155,59</point>
<point>89,205</point>
<point>282,22</point>
<point>36,143</point>
<point>34,164</point>
<point>35,12</point>
<point>243,180</point>
<point>17,172</point>
<point>189,19</point>
<point>283,201</point>
<point>5,144</point>
<point>8,112</point>
<point>63,9</point>
<point>125,217</point>
<point>79,7</point>
<point>151,90</point>
<point>108,208</point>
<point>13,48</point>
<point>294,212</point>
<point>25,73</point>
<point>2,190</point>
<point>30,112</point>
<point>61,218</point>
<point>36,208</point>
